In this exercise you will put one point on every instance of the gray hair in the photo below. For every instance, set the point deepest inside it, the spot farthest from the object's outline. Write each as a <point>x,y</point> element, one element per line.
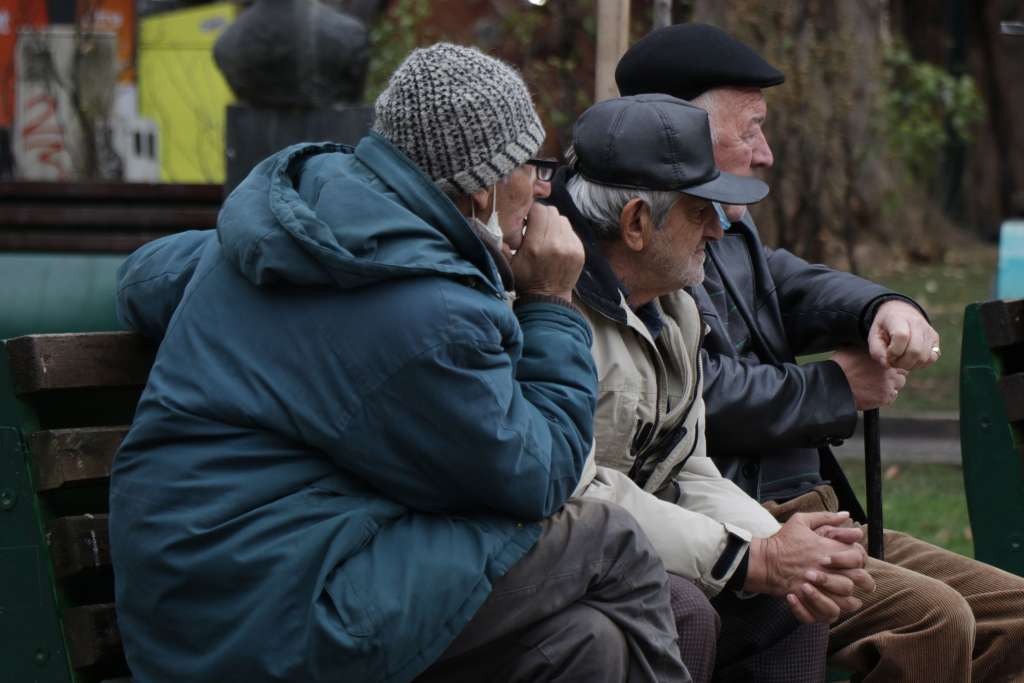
<point>603,204</point>
<point>709,102</point>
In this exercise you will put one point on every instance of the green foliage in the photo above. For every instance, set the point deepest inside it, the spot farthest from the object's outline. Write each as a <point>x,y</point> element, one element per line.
<point>926,501</point>
<point>552,69</point>
<point>523,25</point>
<point>550,45</point>
<point>396,34</point>
<point>926,108</point>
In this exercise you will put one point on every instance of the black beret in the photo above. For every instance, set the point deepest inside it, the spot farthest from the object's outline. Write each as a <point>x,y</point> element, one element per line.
<point>685,60</point>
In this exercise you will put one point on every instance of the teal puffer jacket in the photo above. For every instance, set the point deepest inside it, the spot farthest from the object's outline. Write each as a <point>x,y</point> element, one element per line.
<point>347,434</point>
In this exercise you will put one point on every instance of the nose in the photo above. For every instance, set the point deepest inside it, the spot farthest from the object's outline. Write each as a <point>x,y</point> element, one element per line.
<point>541,188</point>
<point>713,230</point>
<point>762,155</point>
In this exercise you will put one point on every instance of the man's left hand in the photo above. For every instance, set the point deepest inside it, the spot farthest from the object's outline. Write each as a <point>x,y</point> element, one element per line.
<point>900,337</point>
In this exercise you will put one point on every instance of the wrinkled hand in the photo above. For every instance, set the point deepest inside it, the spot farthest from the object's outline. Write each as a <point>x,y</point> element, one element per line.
<point>817,574</point>
<point>843,534</point>
<point>550,257</point>
<point>900,337</point>
<point>873,384</point>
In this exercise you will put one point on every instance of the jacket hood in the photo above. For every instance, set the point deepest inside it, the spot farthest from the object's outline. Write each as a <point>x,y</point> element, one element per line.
<point>331,214</point>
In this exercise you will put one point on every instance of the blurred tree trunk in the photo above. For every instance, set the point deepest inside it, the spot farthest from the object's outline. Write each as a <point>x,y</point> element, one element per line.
<point>995,174</point>
<point>992,181</point>
<point>661,13</point>
<point>825,191</point>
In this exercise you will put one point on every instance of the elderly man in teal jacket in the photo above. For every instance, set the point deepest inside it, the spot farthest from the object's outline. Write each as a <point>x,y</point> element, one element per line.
<point>353,456</point>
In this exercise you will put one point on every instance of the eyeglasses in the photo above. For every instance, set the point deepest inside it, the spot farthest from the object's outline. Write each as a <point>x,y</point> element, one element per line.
<point>545,168</point>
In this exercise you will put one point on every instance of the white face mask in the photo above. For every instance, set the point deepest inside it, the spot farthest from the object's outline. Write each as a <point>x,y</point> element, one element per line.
<point>492,226</point>
<point>722,218</point>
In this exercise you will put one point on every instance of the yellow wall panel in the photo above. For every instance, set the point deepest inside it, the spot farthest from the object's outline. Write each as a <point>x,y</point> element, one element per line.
<point>181,88</point>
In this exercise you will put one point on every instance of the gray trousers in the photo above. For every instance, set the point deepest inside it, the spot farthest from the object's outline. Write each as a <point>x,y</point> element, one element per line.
<point>589,602</point>
<point>762,641</point>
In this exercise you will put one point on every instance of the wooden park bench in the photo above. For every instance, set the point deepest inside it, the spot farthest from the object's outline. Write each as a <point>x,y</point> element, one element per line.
<point>992,430</point>
<point>65,403</point>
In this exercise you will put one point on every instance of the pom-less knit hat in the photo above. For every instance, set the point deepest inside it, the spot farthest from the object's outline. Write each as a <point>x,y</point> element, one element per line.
<point>464,118</point>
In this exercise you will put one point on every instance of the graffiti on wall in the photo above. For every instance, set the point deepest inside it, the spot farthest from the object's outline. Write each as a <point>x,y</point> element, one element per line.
<point>42,138</point>
<point>63,96</point>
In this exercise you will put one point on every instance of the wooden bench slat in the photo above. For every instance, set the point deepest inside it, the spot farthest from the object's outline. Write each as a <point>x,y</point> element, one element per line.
<point>78,543</point>
<point>70,457</point>
<point>45,362</point>
<point>150,216</point>
<point>1003,322</point>
<point>92,635</point>
<point>13,192</point>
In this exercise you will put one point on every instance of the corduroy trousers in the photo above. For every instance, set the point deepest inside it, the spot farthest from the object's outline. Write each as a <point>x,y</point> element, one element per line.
<point>934,616</point>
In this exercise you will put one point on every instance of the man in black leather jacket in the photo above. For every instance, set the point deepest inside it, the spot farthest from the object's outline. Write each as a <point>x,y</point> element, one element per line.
<point>770,421</point>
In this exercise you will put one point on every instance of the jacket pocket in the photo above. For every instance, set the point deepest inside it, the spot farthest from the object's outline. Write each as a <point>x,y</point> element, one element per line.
<point>355,612</point>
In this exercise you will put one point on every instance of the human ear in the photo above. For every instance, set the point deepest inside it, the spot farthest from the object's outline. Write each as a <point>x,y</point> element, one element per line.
<point>481,201</point>
<point>635,224</point>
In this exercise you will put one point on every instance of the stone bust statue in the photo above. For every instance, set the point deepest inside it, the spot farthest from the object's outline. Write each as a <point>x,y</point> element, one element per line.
<point>294,53</point>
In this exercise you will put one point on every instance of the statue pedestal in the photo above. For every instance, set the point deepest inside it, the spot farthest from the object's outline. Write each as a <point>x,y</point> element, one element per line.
<point>254,133</point>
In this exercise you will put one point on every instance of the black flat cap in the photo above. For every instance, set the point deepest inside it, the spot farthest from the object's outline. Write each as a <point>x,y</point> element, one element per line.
<point>686,60</point>
<point>656,142</point>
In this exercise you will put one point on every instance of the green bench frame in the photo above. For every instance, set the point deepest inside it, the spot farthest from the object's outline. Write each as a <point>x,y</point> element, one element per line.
<point>992,430</point>
<point>65,403</point>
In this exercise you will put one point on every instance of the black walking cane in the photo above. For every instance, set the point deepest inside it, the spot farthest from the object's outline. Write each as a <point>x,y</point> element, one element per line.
<point>873,478</point>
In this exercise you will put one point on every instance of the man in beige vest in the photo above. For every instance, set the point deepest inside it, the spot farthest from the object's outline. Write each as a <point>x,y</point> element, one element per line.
<point>639,195</point>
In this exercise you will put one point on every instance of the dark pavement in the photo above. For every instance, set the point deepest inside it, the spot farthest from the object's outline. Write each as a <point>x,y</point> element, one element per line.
<point>910,439</point>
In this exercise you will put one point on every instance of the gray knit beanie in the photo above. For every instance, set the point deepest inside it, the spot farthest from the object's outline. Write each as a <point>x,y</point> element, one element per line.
<point>466,119</point>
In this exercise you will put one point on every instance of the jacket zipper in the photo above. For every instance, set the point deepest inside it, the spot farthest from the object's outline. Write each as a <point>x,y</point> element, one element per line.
<point>642,457</point>
<point>698,363</point>
<point>641,447</point>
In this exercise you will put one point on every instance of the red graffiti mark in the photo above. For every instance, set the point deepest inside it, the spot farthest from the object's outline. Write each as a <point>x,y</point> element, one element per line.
<point>42,133</point>
<point>48,114</point>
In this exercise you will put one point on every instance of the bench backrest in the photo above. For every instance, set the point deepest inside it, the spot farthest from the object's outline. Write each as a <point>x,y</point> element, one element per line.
<point>992,430</point>
<point>65,403</point>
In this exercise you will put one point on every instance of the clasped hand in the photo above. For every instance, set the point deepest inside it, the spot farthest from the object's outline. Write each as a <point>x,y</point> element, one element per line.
<point>815,562</point>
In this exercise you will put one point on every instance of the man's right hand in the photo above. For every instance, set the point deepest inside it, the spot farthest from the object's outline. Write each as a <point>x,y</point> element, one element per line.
<point>550,258</point>
<point>873,385</point>
<point>817,574</point>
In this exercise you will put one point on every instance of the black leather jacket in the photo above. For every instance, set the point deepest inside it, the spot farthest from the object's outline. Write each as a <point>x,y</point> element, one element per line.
<point>769,420</point>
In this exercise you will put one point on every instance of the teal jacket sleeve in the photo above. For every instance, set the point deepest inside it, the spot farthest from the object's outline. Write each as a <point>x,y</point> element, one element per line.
<point>152,280</point>
<point>482,429</point>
